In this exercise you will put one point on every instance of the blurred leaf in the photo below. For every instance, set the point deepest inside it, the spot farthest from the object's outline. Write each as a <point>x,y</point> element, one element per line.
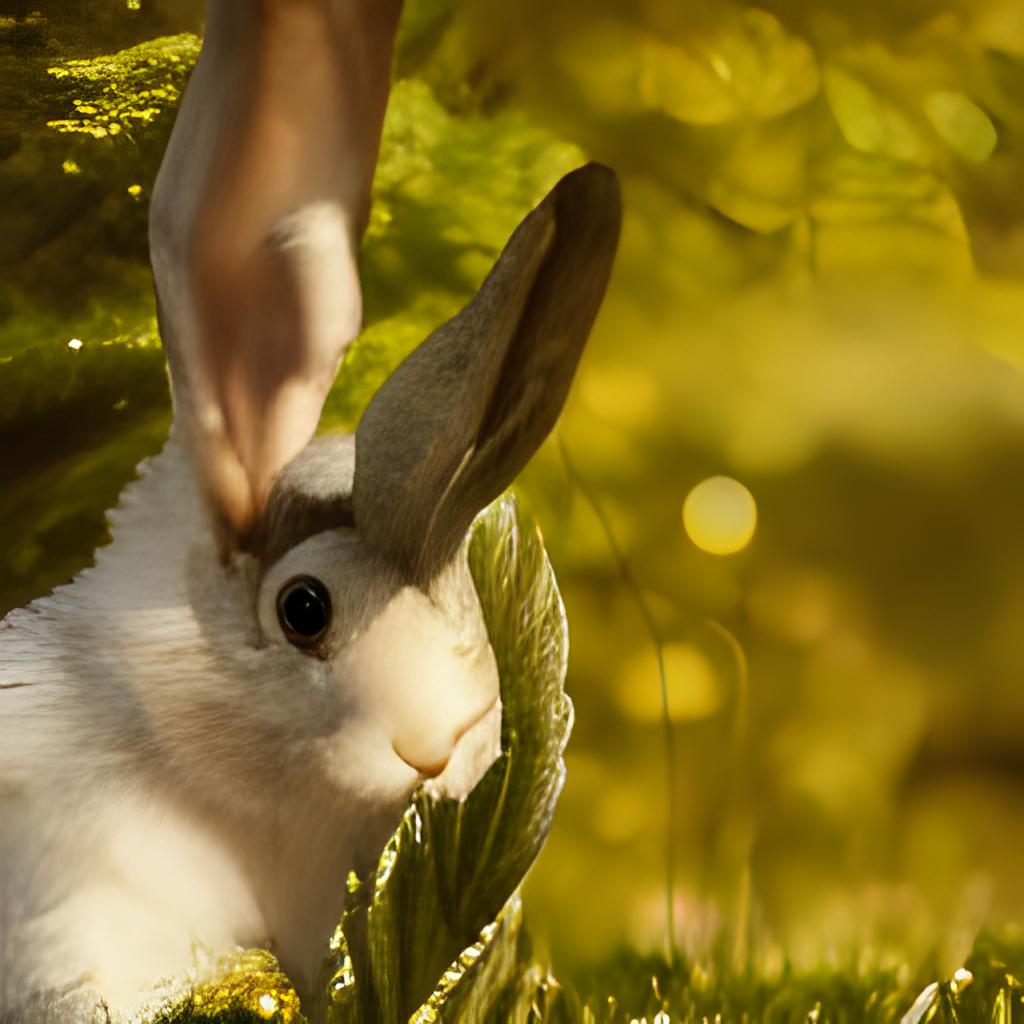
<point>868,204</point>
<point>72,426</point>
<point>999,23</point>
<point>1007,75</point>
<point>963,124</point>
<point>871,123</point>
<point>762,182</point>
<point>751,67</point>
<point>747,66</point>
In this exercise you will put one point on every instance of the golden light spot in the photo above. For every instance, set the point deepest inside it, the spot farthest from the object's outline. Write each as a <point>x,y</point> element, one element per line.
<point>135,191</point>
<point>694,691</point>
<point>134,5</point>
<point>961,980</point>
<point>720,515</point>
<point>75,344</point>
<point>71,167</point>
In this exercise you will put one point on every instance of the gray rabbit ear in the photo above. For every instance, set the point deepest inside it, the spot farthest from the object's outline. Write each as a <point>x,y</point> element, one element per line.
<point>455,423</point>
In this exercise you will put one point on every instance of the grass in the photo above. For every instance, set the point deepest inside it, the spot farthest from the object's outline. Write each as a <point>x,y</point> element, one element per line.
<point>633,989</point>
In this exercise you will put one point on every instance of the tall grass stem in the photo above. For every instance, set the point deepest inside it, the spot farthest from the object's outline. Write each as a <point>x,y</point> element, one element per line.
<point>626,574</point>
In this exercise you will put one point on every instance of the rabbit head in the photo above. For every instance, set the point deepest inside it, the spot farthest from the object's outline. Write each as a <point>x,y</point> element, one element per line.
<point>347,594</point>
<point>339,596</point>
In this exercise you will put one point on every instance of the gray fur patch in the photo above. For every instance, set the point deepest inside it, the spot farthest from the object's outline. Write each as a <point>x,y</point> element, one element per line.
<point>312,493</point>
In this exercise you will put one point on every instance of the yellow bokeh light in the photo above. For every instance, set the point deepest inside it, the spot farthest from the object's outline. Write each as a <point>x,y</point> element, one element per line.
<point>720,515</point>
<point>694,691</point>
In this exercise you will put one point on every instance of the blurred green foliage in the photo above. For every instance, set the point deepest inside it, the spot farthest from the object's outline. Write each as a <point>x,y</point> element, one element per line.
<point>127,91</point>
<point>819,292</point>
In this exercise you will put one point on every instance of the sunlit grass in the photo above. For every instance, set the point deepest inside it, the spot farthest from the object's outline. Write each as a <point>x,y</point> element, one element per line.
<point>985,990</point>
<point>632,989</point>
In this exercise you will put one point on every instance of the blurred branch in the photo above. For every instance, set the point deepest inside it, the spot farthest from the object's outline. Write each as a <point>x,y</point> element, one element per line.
<point>635,590</point>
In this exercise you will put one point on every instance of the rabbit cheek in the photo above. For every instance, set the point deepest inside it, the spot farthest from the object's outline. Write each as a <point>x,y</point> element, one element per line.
<point>361,764</point>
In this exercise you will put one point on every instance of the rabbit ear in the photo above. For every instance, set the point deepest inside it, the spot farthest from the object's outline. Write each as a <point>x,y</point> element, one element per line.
<point>455,423</point>
<point>256,218</point>
<point>270,329</point>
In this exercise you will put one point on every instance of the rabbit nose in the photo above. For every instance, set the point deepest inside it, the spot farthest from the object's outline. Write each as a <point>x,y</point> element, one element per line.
<point>431,759</point>
<point>427,755</point>
<point>426,771</point>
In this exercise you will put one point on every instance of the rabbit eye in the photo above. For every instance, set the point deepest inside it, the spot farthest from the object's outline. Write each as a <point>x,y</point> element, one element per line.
<point>304,610</point>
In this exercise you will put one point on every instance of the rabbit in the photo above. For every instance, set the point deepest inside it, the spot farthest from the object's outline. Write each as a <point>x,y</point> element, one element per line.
<point>204,732</point>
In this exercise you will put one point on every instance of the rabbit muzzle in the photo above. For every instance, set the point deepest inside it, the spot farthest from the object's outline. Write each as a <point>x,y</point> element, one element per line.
<point>439,767</point>
<point>429,681</point>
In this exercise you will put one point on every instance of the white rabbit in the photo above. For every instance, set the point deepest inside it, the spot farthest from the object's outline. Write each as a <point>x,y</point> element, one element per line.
<point>202,734</point>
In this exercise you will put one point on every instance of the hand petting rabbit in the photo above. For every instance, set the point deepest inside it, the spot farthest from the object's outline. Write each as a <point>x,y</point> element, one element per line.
<point>201,735</point>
